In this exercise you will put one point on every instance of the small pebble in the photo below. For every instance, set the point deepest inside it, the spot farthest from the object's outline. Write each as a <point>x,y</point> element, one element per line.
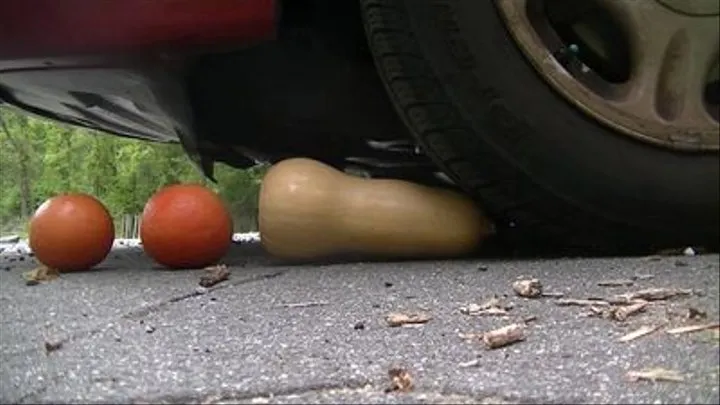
<point>528,288</point>
<point>51,346</point>
<point>689,251</point>
<point>149,329</point>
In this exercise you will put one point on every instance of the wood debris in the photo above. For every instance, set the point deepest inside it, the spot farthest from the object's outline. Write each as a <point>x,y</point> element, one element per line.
<point>504,336</point>
<point>215,275</point>
<point>401,319</point>
<point>492,307</point>
<point>638,333</point>
<point>692,328</point>
<point>529,318</point>
<point>655,374</point>
<point>654,294</point>
<point>492,311</point>
<point>622,313</point>
<point>40,274</point>
<point>530,288</point>
<point>623,301</point>
<point>468,364</point>
<point>567,302</point>
<point>617,313</point>
<point>616,283</point>
<point>597,311</point>
<point>305,304</point>
<point>400,380</point>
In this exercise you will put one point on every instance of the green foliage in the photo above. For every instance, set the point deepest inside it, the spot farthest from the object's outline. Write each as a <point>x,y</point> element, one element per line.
<point>40,159</point>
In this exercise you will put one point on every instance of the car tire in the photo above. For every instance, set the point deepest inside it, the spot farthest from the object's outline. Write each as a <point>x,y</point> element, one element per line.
<point>548,174</point>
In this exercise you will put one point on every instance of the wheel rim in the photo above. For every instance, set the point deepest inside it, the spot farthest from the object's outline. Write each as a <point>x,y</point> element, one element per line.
<point>647,68</point>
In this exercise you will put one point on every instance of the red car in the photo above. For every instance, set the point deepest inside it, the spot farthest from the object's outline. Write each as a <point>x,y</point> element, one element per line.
<point>590,124</point>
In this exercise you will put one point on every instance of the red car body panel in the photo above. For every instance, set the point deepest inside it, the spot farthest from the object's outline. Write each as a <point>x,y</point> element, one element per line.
<point>50,28</point>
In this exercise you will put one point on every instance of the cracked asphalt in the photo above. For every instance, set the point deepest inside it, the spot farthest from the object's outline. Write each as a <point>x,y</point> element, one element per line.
<point>277,333</point>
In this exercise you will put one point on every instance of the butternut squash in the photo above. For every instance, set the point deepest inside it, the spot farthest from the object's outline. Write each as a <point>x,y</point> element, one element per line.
<point>309,210</point>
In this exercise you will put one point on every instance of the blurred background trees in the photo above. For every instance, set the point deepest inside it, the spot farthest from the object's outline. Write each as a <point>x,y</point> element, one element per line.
<point>41,158</point>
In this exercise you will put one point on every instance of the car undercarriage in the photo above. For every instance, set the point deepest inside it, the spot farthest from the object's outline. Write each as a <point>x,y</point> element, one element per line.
<point>313,91</point>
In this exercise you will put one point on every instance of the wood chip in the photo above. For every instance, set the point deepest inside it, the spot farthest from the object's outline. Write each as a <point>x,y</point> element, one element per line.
<point>400,380</point>
<point>616,283</point>
<point>567,302</point>
<point>215,275</point>
<point>622,313</point>
<point>304,304</point>
<point>623,301</point>
<point>530,318</point>
<point>40,274</point>
<point>655,294</point>
<point>655,374</point>
<point>471,363</point>
<point>492,307</point>
<point>528,288</point>
<point>504,336</point>
<point>692,328</point>
<point>597,311</point>
<point>400,319</point>
<point>494,311</point>
<point>485,310</point>
<point>552,294</point>
<point>638,333</point>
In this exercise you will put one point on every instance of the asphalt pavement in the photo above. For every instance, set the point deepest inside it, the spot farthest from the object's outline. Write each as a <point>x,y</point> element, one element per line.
<point>130,332</point>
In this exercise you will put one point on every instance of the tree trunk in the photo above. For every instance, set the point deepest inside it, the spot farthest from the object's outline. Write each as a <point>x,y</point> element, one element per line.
<point>24,165</point>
